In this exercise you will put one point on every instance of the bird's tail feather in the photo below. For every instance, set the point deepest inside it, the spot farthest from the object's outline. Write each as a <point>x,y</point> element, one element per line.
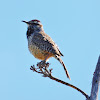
<point>60,60</point>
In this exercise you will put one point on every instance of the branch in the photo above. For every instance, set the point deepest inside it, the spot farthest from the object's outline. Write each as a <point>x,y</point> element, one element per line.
<point>70,85</point>
<point>95,82</point>
<point>42,69</point>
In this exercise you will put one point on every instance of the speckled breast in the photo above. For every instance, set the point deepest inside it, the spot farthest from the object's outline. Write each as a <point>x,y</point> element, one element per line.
<point>38,53</point>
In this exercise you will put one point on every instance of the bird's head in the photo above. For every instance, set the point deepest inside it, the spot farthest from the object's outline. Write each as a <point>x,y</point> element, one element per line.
<point>33,26</point>
<point>34,23</point>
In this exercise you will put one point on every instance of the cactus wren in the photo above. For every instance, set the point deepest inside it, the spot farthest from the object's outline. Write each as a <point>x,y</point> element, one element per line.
<point>41,45</point>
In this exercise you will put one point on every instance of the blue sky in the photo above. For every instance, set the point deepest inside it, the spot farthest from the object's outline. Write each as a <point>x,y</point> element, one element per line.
<point>73,24</point>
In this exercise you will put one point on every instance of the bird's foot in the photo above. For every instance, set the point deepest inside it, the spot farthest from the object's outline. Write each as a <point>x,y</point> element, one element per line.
<point>43,64</point>
<point>42,68</point>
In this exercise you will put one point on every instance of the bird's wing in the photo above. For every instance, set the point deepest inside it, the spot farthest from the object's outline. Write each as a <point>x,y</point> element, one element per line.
<point>45,43</point>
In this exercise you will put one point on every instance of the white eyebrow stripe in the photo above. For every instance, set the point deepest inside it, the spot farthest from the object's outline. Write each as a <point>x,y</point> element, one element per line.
<point>35,21</point>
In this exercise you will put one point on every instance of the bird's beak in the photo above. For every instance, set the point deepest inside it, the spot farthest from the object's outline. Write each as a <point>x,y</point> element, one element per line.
<point>25,22</point>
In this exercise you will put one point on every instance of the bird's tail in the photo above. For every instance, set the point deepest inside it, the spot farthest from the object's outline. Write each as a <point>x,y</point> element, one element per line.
<point>60,60</point>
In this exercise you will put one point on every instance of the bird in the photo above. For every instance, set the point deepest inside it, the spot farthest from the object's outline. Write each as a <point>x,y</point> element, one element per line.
<point>42,45</point>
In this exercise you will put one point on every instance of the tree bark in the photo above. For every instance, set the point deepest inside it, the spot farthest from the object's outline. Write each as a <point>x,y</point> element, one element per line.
<point>95,82</point>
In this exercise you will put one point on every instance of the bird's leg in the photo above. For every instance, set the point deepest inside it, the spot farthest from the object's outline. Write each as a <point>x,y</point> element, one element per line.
<point>46,64</point>
<point>46,58</point>
<point>44,61</point>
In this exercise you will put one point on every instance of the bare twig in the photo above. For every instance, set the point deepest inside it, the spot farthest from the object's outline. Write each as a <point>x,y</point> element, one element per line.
<point>42,69</point>
<point>95,82</point>
<point>70,85</point>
